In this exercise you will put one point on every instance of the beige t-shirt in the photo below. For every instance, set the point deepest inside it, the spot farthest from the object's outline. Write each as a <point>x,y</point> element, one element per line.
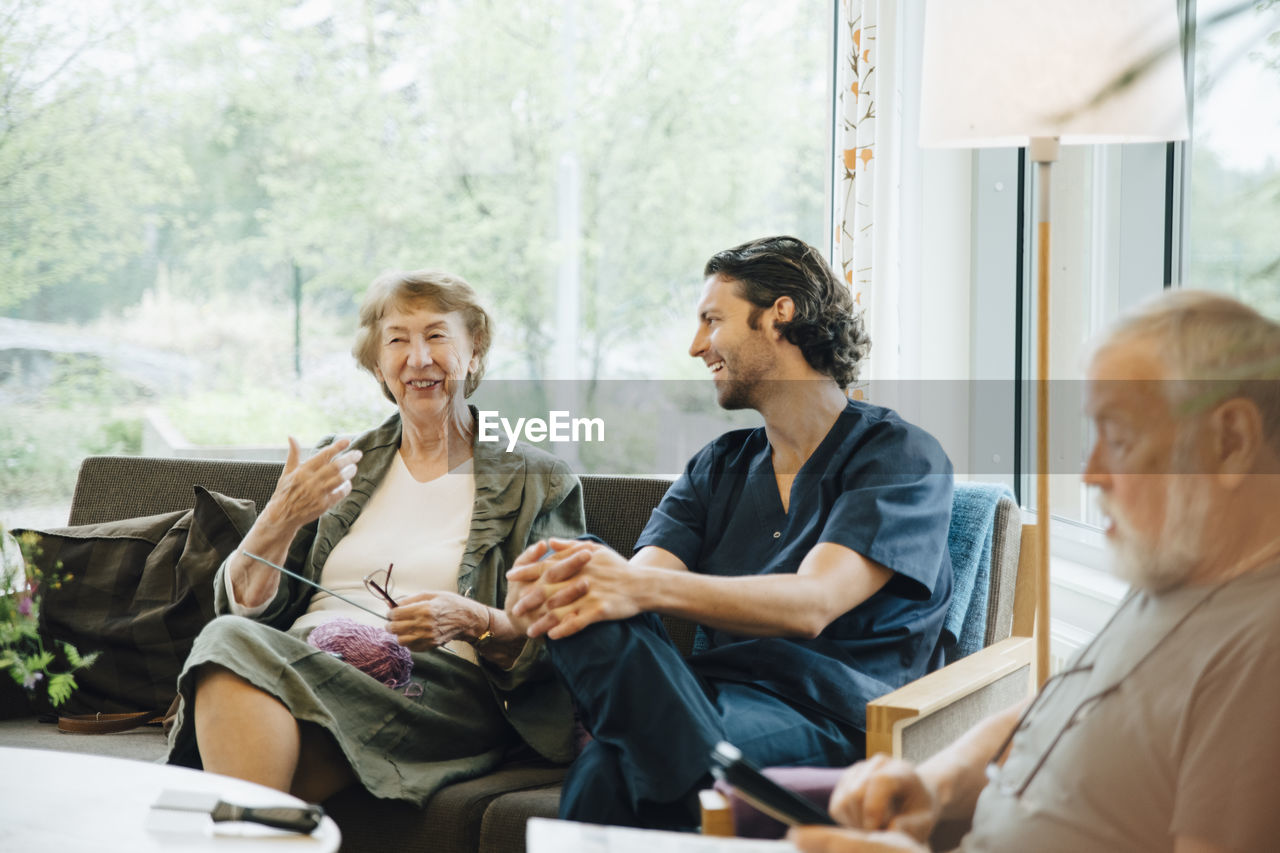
<point>1186,745</point>
<point>419,528</point>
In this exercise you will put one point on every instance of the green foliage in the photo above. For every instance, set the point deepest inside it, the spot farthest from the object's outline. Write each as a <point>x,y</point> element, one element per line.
<point>75,659</point>
<point>78,380</point>
<point>61,687</point>
<point>74,182</point>
<point>117,436</point>
<point>165,166</point>
<point>254,416</point>
<point>1234,219</point>
<point>22,650</point>
<point>1234,202</point>
<point>469,137</point>
<point>41,447</point>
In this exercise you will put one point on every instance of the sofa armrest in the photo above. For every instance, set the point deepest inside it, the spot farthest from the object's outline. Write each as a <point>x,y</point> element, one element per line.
<point>920,718</point>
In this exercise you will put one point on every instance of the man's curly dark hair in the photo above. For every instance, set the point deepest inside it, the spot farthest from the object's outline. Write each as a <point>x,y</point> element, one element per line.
<point>826,327</point>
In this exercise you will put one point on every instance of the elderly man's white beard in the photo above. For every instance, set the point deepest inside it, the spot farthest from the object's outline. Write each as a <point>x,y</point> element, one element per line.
<point>1178,550</point>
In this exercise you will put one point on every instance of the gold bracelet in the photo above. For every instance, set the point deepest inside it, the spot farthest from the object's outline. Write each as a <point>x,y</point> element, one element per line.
<point>488,631</point>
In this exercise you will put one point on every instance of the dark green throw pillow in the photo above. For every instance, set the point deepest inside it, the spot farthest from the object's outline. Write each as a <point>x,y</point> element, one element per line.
<point>141,590</point>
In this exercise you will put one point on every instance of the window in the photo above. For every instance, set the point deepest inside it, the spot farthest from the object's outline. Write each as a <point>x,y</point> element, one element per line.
<point>1233,201</point>
<point>194,198</point>
<point>1127,221</point>
<point>1117,239</point>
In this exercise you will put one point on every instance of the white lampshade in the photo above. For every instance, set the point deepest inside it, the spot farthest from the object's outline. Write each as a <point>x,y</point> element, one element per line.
<point>998,73</point>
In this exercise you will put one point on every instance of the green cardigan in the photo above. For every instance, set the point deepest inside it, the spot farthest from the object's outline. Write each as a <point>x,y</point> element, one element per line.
<point>522,495</point>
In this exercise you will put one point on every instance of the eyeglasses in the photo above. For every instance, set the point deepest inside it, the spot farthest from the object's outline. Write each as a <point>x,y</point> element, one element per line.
<point>1086,706</point>
<point>1015,788</point>
<point>379,583</point>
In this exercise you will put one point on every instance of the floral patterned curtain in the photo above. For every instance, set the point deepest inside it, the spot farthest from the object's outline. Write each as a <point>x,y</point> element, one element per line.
<point>867,183</point>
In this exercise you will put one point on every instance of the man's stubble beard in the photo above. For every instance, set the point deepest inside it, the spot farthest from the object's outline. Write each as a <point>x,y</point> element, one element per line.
<point>738,394</point>
<point>748,388</point>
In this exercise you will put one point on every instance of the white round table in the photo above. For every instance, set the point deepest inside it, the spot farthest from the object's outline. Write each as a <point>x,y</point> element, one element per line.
<point>70,802</point>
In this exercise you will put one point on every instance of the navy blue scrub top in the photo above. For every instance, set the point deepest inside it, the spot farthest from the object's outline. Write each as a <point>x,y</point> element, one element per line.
<point>877,485</point>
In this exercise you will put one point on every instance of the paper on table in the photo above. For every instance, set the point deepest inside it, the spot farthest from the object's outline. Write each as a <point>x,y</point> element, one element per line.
<point>556,836</point>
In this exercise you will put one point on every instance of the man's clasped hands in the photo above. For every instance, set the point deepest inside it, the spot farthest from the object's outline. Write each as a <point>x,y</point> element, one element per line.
<point>578,583</point>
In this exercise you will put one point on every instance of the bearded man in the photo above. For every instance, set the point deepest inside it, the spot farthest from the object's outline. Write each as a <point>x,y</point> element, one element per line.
<point>1161,734</point>
<point>811,551</point>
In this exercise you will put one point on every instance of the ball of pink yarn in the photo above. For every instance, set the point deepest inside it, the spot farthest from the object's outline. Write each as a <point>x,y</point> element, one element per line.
<point>369,649</point>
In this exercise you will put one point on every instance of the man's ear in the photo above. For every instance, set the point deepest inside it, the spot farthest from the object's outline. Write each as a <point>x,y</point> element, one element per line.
<point>1237,437</point>
<point>784,311</point>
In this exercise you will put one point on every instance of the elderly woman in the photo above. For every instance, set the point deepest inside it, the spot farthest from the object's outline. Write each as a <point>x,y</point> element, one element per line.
<point>416,501</point>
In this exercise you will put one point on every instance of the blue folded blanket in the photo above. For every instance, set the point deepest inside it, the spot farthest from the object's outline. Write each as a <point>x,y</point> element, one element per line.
<point>973,515</point>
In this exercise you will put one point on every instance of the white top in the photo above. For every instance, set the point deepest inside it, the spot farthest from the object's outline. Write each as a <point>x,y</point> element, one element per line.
<point>419,528</point>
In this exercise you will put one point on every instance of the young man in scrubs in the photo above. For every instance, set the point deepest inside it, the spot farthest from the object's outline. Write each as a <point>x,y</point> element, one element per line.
<point>812,552</point>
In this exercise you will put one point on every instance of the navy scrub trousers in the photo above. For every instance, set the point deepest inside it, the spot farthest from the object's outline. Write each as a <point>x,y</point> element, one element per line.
<point>654,722</point>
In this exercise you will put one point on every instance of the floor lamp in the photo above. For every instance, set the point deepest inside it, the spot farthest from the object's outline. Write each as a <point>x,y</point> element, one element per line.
<point>1036,74</point>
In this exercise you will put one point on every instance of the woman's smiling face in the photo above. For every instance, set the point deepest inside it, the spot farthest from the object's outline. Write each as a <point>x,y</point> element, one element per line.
<point>423,358</point>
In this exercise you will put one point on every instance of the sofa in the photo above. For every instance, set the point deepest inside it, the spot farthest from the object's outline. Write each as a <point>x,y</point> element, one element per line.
<point>484,814</point>
<point>489,813</point>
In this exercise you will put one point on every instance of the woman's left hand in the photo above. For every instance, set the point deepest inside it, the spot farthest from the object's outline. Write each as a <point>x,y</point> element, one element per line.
<point>431,619</point>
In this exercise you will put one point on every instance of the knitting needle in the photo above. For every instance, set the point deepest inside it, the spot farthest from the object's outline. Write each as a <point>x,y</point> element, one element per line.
<point>299,577</point>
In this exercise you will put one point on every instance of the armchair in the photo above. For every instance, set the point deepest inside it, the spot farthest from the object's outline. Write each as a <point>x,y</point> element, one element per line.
<point>920,718</point>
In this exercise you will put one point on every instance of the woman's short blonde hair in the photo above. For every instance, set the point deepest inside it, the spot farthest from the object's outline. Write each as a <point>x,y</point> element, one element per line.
<point>402,290</point>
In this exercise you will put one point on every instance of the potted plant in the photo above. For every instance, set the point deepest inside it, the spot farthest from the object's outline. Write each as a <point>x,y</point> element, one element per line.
<point>46,673</point>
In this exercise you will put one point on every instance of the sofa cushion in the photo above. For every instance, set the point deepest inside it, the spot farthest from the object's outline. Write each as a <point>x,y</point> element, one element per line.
<point>451,821</point>
<point>138,591</point>
<point>503,827</point>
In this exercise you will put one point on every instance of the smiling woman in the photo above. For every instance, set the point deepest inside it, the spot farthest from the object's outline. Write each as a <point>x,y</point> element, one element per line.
<point>425,337</point>
<point>450,515</point>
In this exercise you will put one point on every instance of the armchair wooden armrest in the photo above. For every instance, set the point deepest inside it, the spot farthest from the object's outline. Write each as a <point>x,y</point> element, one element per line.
<point>717,813</point>
<point>930,713</point>
<point>939,707</point>
<point>946,703</point>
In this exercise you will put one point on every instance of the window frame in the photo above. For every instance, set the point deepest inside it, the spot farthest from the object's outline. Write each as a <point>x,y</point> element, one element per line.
<point>1139,219</point>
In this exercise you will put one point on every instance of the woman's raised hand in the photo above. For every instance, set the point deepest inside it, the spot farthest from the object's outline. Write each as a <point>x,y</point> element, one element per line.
<point>304,492</point>
<point>307,490</point>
